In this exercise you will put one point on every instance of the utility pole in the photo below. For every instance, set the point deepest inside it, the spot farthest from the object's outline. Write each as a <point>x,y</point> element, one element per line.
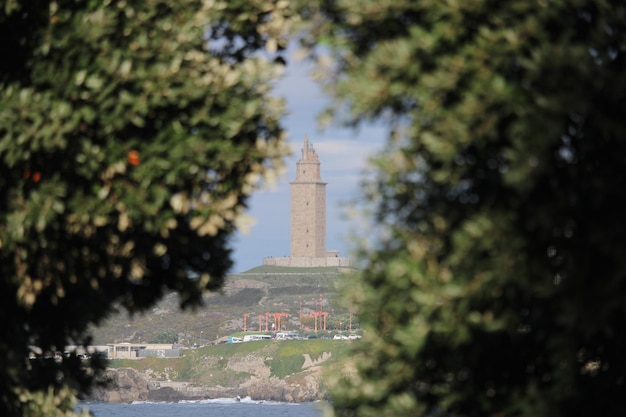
<point>350,317</point>
<point>245,320</point>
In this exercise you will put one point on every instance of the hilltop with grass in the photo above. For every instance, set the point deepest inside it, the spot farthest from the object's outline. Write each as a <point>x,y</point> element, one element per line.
<point>245,297</point>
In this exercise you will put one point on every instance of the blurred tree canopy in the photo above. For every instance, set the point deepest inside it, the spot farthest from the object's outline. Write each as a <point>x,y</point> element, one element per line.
<point>496,284</point>
<point>131,135</point>
<point>166,336</point>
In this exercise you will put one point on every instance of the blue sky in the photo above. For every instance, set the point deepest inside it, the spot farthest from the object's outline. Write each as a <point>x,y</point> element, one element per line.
<point>343,155</point>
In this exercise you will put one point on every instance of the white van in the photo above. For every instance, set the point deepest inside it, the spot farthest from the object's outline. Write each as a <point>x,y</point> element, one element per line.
<point>286,335</point>
<point>254,337</point>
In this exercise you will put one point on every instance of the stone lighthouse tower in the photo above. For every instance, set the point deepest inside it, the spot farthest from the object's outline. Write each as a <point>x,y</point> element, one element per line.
<point>308,207</point>
<point>308,218</point>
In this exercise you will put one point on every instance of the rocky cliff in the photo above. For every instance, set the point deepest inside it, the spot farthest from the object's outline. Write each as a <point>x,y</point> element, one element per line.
<point>123,385</point>
<point>127,385</point>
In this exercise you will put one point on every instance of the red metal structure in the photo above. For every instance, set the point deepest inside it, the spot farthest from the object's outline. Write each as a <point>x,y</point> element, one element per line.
<point>320,314</point>
<point>350,317</point>
<point>325,315</point>
<point>277,317</point>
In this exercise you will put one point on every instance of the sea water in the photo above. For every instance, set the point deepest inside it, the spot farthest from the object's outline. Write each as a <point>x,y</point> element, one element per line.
<point>206,408</point>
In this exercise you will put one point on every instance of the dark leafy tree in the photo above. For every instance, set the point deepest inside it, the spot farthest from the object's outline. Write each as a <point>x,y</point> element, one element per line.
<point>131,135</point>
<point>497,283</point>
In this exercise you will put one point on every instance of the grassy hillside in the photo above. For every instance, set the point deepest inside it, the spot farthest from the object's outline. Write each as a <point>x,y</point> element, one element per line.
<point>208,366</point>
<point>265,289</point>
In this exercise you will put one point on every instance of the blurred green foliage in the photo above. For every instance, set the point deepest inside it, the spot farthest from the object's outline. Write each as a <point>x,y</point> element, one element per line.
<point>495,281</point>
<point>166,336</point>
<point>131,136</point>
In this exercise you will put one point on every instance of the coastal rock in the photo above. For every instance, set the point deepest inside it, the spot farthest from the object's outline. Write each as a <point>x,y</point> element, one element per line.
<point>279,390</point>
<point>124,385</point>
<point>129,385</point>
<point>166,394</point>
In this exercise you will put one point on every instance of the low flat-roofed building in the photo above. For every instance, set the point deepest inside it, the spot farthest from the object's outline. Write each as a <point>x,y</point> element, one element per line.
<point>142,350</point>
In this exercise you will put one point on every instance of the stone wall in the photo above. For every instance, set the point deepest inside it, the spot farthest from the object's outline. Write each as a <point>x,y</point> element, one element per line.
<point>302,262</point>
